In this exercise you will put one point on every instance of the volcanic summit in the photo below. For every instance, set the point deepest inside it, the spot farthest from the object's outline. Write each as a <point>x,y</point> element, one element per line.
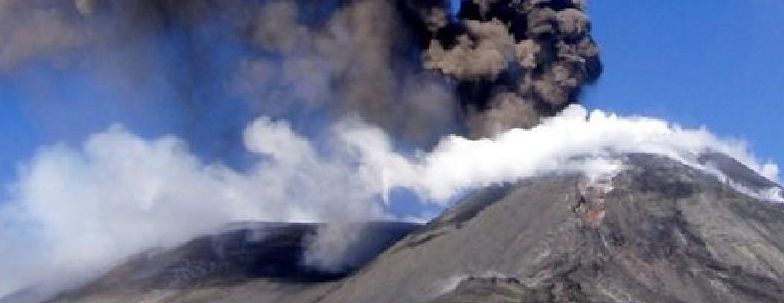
<point>659,231</point>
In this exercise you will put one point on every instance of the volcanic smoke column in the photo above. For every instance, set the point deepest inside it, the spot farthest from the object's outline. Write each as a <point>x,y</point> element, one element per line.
<point>514,61</point>
<point>408,66</point>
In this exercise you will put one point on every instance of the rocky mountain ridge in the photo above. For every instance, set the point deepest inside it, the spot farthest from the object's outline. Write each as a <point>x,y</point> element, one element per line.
<point>658,231</point>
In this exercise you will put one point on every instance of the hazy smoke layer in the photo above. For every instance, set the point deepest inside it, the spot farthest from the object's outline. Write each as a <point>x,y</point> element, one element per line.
<point>75,211</point>
<point>354,61</point>
<point>296,59</point>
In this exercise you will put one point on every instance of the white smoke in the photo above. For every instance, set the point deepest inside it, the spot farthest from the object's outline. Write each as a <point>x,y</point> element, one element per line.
<point>75,211</point>
<point>575,140</point>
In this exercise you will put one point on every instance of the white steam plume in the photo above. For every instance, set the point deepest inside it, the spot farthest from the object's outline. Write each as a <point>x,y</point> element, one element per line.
<point>575,140</point>
<point>74,211</point>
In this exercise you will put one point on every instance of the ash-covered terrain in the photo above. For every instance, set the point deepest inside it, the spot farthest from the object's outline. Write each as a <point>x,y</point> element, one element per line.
<point>658,231</point>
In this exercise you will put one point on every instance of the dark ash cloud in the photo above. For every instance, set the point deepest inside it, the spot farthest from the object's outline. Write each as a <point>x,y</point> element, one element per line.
<point>406,66</point>
<point>513,61</point>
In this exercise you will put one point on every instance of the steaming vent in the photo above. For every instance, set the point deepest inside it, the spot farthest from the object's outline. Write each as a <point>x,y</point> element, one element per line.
<point>593,192</point>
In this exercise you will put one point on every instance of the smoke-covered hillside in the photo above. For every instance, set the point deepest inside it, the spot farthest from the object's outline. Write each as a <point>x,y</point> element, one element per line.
<point>659,231</point>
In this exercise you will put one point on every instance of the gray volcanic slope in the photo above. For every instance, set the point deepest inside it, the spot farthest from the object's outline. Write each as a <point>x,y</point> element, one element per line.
<point>666,232</point>
<point>249,262</point>
<point>669,233</point>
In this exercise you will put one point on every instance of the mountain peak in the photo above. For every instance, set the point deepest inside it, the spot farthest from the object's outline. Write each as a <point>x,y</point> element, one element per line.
<point>667,232</point>
<point>657,231</point>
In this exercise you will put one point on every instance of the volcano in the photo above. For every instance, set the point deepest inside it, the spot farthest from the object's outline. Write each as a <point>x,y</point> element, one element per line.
<point>657,231</point>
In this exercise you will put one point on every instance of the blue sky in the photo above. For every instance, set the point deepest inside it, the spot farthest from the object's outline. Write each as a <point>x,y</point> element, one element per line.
<point>716,63</point>
<point>713,62</point>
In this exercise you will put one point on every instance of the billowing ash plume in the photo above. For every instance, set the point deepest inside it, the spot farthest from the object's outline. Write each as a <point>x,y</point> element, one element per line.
<point>351,62</point>
<point>506,63</point>
<point>514,60</point>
